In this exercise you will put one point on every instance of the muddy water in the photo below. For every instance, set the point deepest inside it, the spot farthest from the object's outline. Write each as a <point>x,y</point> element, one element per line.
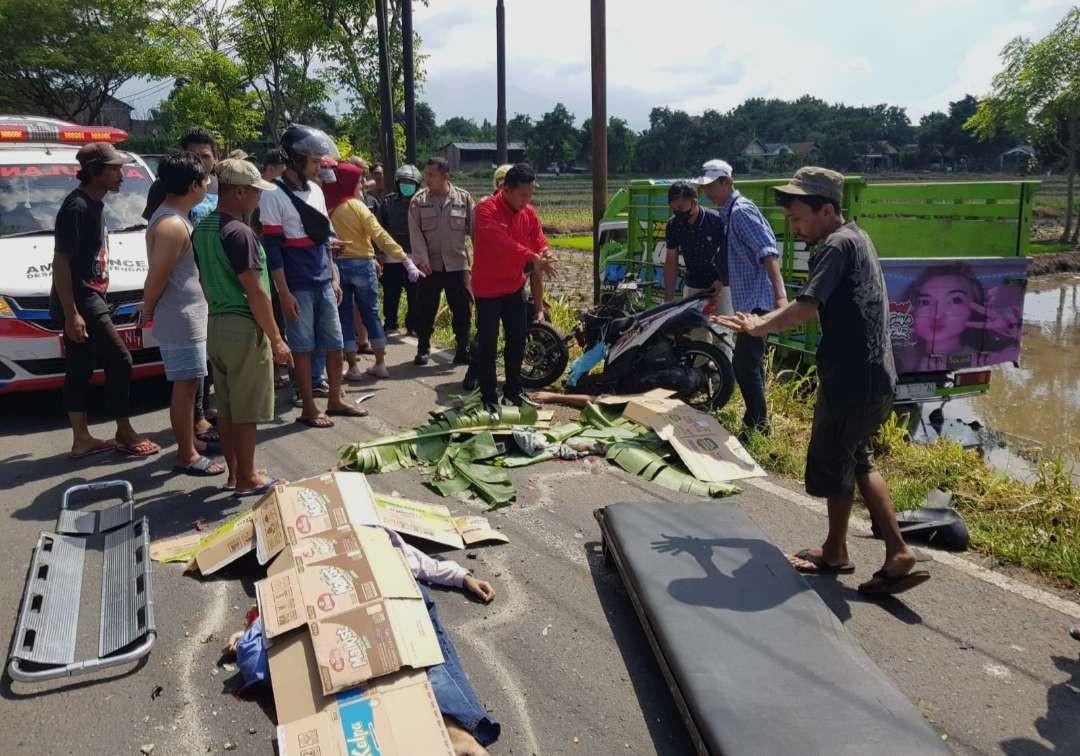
<point>1035,405</point>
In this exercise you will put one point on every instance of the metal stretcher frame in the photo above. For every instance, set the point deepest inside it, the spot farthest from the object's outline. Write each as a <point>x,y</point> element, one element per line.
<point>47,628</point>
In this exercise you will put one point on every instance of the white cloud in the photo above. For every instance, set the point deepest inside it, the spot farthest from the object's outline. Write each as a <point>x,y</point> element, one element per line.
<point>1041,6</point>
<point>976,71</point>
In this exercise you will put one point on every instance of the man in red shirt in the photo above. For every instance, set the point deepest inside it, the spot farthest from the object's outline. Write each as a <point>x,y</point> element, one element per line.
<point>506,237</point>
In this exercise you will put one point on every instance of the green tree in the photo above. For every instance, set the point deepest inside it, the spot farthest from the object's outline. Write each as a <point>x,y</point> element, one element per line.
<point>1036,92</point>
<point>65,59</point>
<point>554,138</point>
<point>620,144</point>
<point>519,128</point>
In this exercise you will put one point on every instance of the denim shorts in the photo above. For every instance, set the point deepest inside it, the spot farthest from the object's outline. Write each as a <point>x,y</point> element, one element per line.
<point>360,285</point>
<point>318,328</point>
<point>184,362</point>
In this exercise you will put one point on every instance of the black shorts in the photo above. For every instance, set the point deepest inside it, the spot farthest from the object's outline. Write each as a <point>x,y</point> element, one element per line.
<point>840,444</point>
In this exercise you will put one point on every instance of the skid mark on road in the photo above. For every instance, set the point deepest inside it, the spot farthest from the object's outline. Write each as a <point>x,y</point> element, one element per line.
<point>509,605</point>
<point>861,526</point>
<point>191,734</point>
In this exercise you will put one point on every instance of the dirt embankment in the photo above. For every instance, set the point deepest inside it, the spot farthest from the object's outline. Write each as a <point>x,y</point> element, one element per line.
<point>1055,262</point>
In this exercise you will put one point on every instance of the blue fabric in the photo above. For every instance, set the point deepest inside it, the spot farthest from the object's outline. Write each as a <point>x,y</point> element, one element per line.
<point>306,268</point>
<point>701,245</point>
<point>360,284</point>
<point>251,655</point>
<point>184,362</point>
<point>318,368</point>
<point>453,692</point>
<point>318,327</point>
<point>750,239</point>
<point>203,209</point>
<point>586,362</point>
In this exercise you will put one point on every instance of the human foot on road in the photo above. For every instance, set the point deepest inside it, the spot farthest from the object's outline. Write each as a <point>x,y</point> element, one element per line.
<point>339,408</point>
<point>813,562</point>
<point>230,481</point>
<point>88,446</point>
<point>200,467</point>
<point>257,485</point>
<point>818,561</point>
<point>896,576</point>
<point>378,370</point>
<point>132,445</point>
<point>318,421</point>
<point>463,741</point>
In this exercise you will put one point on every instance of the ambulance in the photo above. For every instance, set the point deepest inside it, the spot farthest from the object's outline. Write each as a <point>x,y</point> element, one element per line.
<point>37,170</point>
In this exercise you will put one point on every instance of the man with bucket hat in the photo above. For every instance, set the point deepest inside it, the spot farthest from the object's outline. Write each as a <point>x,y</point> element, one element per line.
<point>846,291</point>
<point>78,301</point>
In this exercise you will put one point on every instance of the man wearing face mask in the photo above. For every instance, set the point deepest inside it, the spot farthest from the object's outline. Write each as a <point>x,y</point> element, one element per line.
<point>696,234</point>
<point>393,215</point>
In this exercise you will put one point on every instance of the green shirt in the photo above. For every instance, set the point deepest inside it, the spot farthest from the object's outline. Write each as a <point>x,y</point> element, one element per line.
<point>225,247</point>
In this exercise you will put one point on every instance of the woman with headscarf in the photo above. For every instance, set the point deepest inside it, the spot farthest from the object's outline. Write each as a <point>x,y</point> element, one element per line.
<point>358,230</point>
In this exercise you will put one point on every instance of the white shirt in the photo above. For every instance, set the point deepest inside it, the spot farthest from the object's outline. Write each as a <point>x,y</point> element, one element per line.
<point>278,215</point>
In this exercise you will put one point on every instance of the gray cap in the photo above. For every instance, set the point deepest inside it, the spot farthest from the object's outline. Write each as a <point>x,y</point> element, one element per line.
<point>812,180</point>
<point>236,172</point>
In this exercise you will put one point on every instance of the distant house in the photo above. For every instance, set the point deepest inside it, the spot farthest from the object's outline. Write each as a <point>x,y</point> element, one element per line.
<point>114,112</point>
<point>472,155</point>
<point>880,156</point>
<point>759,149</point>
<point>804,148</point>
<point>776,149</point>
<point>755,149</point>
<point>1018,158</point>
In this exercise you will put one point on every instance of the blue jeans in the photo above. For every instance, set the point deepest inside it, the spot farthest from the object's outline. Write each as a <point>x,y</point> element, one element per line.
<point>317,329</point>
<point>453,692</point>
<point>360,284</point>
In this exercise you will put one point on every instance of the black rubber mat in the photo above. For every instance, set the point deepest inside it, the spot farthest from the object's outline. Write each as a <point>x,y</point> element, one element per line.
<point>755,659</point>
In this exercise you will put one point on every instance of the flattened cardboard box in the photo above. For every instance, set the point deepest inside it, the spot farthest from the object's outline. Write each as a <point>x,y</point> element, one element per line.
<point>707,449</point>
<point>364,611</point>
<point>392,716</point>
<point>309,507</point>
<point>434,522</point>
<point>209,552</point>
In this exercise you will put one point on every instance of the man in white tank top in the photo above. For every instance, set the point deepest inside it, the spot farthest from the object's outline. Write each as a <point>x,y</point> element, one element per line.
<point>174,305</point>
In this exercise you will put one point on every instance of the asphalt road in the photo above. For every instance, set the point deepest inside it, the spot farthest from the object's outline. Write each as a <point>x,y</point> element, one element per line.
<point>559,656</point>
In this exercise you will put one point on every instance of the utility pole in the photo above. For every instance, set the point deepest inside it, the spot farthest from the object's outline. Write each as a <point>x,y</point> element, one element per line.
<point>410,84</point>
<point>500,65</point>
<point>386,102</point>
<point>599,132</point>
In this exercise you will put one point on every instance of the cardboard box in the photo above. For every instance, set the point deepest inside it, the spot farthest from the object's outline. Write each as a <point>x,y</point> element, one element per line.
<point>309,508</point>
<point>363,609</point>
<point>434,522</point>
<point>707,449</point>
<point>208,553</point>
<point>398,713</point>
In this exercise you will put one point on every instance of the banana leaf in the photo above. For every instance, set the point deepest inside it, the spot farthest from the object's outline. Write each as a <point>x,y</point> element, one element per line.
<point>639,458</point>
<point>460,468</point>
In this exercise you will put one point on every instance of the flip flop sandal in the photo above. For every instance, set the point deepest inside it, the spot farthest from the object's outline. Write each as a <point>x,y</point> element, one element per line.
<point>884,584</point>
<point>103,447</point>
<point>143,448</point>
<point>347,412</point>
<point>257,491</point>
<point>200,468</point>
<point>209,436</point>
<point>821,567</point>
<point>316,422</point>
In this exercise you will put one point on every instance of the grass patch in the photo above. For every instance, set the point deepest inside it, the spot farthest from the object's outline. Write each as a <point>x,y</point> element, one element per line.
<point>1046,248</point>
<point>1035,525</point>
<point>572,242</point>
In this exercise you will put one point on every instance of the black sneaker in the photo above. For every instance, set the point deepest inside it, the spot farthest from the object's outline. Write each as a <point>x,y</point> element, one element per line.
<point>461,357</point>
<point>421,359</point>
<point>519,398</point>
<point>470,383</point>
<point>492,408</point>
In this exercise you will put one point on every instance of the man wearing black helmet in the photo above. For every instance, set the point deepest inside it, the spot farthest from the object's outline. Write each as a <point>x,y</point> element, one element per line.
<point>393,215</point>
<point>298,237</point>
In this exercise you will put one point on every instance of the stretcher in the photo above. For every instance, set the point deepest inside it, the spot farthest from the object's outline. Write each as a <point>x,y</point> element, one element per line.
<point>755,660</point>
<point>47,631</point>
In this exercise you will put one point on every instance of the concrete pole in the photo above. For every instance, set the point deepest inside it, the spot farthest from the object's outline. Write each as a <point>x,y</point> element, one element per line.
<point>386,101</point>
<point>500,65</point>
<point>599,132</point>
<point>410,84</point>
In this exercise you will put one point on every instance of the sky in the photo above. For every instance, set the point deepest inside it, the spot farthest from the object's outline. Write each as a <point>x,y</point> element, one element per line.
<point>712,54</point>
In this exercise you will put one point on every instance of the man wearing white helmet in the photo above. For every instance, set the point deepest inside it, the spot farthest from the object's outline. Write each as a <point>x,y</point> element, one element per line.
<point>298,238</point>
<point>753,270</point>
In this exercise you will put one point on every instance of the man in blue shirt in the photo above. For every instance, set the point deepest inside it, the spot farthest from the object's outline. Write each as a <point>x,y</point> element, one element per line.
<point>753,272</point>
<point>696,234</point>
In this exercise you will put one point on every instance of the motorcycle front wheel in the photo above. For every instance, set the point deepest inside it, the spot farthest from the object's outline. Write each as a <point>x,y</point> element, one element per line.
<point>546,355</point>
<point>719,374</point>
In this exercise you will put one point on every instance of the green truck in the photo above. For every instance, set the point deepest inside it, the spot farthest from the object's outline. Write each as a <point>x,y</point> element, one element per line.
<point>954,255</point>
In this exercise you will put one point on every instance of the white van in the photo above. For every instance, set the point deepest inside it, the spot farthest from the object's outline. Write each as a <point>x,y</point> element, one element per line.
<point>37,170</point>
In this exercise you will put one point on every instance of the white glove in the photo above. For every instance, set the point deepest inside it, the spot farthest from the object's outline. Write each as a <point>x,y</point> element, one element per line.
<point>414,273</point>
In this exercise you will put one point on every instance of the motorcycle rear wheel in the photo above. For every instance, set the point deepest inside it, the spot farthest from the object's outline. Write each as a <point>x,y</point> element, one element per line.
<point>718,370</point>
<point>546,355</point>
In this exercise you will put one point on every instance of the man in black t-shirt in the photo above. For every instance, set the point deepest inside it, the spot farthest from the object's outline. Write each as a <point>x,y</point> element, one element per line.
<point>77,301</point>
<point>846,290</point>
<point>697,234</point>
